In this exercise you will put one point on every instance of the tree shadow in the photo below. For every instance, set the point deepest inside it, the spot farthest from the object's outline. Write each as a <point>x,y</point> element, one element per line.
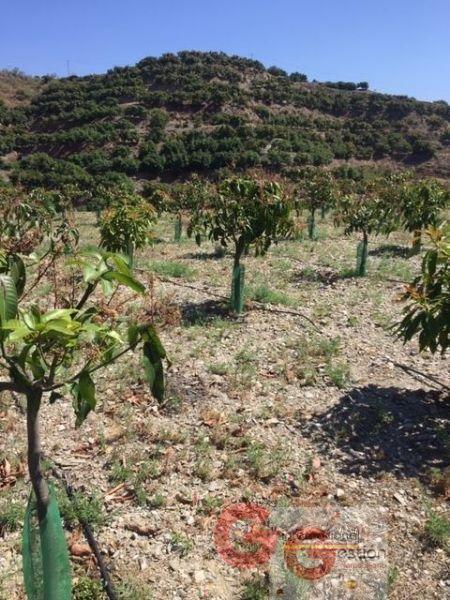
<point>324,275</point>
<point>391,250</point>
<point>374,430</point>
<point>203,313</point>
<point>183,390</point>
<point>204,255</point>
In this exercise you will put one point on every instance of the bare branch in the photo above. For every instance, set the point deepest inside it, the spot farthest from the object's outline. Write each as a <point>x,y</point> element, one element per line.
<point>87,292</point>
<point>96,368</point>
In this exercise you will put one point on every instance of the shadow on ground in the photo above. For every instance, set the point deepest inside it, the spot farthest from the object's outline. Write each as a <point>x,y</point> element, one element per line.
<point>392,250</point>
<point>204,255</point>
<point>324,275</point>
<point>202,313</point>
<point>183,390</point>
<point>372,430</point>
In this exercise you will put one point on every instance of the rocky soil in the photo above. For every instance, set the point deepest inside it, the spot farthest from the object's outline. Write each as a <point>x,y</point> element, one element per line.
<point>306,399</point>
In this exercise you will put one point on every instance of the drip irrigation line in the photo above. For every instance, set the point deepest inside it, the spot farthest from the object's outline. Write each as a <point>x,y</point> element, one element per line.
<point>253,304</point>
<point>107,582</point>
<point>417,372</point>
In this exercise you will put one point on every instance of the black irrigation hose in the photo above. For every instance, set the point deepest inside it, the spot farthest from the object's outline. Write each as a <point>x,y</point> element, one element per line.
<point>107,582</point>
<point>424,375</point>
<point>253,303</point>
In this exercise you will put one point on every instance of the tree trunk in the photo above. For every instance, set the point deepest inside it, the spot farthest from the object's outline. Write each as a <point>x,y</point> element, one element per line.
<point>312,225</point>
<point>237,280</point>
<point>178,228</point>
<point>130,251</point>
<point>34,453</point>
<point>361,256</point>
<point>239,251</point>
<point>417,241</point>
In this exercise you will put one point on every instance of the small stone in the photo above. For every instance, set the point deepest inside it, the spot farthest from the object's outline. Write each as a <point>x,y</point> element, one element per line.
<point>399,498</point>
<point>174,564</point>
<point>340,493</point>
<point>199,576</point>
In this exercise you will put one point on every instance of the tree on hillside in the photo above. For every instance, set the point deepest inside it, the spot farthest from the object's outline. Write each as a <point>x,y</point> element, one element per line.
<point>243,213</point>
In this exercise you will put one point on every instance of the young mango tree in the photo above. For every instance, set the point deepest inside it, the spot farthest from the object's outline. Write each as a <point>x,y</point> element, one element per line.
<point>427,313</point>
<point>127,223</point>
<point>421,203</point>
<point>316,192</point>
<point>185,197</point>
<point>49,353</point>
<point>367,213</point>
<point>244,213</point>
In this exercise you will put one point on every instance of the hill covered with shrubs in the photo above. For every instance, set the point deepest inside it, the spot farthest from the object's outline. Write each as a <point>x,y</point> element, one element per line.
<point>171,116</point>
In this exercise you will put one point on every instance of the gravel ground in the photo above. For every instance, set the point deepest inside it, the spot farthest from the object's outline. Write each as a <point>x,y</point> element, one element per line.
<point>266,408</point>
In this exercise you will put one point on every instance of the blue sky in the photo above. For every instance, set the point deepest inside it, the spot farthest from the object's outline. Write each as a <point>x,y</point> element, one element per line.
<point>399,46</point>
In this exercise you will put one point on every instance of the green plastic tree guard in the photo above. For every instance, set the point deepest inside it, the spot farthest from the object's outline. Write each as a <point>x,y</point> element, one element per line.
<point>361,258</point>
<point>237,289</point>
<point>46,564</point>
<point>178,229</point>
<point>312,226</point>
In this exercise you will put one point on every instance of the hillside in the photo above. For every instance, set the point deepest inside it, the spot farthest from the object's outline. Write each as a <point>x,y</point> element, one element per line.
<point>200,112</point>
<point>17,89</point>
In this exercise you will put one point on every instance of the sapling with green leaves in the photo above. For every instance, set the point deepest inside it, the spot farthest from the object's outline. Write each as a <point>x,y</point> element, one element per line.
<point>50,352</point>
<point>127,223</point>
<point>243,213</point>
<point>184,198</point>
<point>427,314</point>
<point>421,203</point>
<point>316,192</point>
<point>366,212</point>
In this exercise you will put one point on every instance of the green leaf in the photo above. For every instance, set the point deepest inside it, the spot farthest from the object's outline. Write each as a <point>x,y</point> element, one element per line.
<point>15,330</point>
<point>133,334</point>
<point>18,273</point>
<point>152,337</point>
<point>62,326</point>
<point>90,273</point>
<point>121,263</point>
<point>36,365</point>
<point>125,280</point>
<point>31,319</point>
<point>107,287</point>
<point>154,370</point>
<point>84,397</point>
<point>8,298</point>
<point>57,314</point>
